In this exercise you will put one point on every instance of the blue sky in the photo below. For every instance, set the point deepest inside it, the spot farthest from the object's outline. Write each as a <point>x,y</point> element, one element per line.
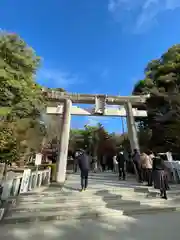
<point>94,46</point>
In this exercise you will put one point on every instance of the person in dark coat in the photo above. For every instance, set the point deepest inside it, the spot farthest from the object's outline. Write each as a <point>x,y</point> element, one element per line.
<point>121,165</point>
<point>136,157</point>
<point>103,163</point>
<point>83,162</point>
<point>159,176</point>
<point>75,164</point>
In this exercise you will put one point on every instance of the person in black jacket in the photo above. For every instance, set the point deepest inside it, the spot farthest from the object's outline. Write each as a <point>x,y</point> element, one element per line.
<point>75,164</point>
<point>121,165</point>
<point>159,176</point>
<point>83,162</point>
<point>136,157</point>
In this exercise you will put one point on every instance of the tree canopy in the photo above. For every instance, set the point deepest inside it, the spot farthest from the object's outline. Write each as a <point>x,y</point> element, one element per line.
<point>97,140</point>
<point>162,81</point>
<point>20,95</point>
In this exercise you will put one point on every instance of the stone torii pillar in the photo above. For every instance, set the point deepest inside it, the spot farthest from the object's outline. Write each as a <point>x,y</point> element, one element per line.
<point>64,142</point>
<point>132,131</point>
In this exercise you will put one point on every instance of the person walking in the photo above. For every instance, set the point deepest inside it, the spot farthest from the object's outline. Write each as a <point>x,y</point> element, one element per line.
<point>149,169</point>
<point>83,162</point>
<point>137,163</point>
<point>159,176</point>
<point>115,163</point>
<point>103,164</point>
<point>146,164</point>
<point>121,165</point>
<point>95,165</point>
<point>143,159</point>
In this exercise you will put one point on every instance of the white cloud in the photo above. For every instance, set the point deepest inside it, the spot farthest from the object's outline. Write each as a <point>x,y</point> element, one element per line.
<point>57,78</point>
<point>140,14</point>
<point>172,4</point>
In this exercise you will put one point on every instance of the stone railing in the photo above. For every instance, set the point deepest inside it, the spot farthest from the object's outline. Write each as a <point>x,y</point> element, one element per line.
<point>18,183</point>
<point>174,171</point>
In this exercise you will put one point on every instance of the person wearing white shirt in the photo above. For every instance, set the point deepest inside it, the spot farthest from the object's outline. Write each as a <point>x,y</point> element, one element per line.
<point>115,163</point>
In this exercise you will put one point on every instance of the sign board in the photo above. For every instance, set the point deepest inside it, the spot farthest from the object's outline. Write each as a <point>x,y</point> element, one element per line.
<point>25,181</point>
<point>38,159</point>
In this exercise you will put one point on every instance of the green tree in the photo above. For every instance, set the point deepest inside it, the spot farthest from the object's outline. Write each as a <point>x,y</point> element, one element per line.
<point>77,139</point>
<point>7,144</point>
<point>20,95</point>
<point>94,138</point>
<point>162,81</point>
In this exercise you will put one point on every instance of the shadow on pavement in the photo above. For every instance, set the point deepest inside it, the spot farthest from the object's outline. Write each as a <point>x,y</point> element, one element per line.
<point>111,200</point>
<point>71,188</point>
<point>124,228</point>
<point>113,179</point>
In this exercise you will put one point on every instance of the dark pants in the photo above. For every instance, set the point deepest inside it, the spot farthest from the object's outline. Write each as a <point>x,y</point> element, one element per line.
<point>110,167</point>
<point>75,167</point>
<point>139,170</point>
<point>160,182</point>
<point>149,176</point>
<point>103,167</point>
<point>144,174</point>
<point>122,172</point>
<point>84,179</point>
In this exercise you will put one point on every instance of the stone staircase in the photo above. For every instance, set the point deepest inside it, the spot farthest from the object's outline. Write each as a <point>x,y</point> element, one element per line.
<point>105,197</point>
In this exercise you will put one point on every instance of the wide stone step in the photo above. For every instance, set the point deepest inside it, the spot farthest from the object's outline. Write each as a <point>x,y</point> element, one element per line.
<point>92,203</point>
<point>174,193</point>
<point>70,199</point>
<point>175,199</point>
<point>83,213</point>
<point>79,196</point>
<point>71,190</point>
<point>71,205</point>
<point>56,207</point>
<point>22,217</point>
<point>88,200</point>
<point>87,194</point>
<point>142,190</point>
<point>150,210</point>
<point>89,191</point>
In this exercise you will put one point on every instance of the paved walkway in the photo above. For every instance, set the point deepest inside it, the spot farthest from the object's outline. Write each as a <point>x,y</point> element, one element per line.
<point>106,178</point>
<point>99,181</point>
<point>159,226</point>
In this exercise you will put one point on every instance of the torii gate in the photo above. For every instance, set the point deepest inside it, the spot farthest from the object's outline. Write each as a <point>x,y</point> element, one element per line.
<point>64,107</point>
